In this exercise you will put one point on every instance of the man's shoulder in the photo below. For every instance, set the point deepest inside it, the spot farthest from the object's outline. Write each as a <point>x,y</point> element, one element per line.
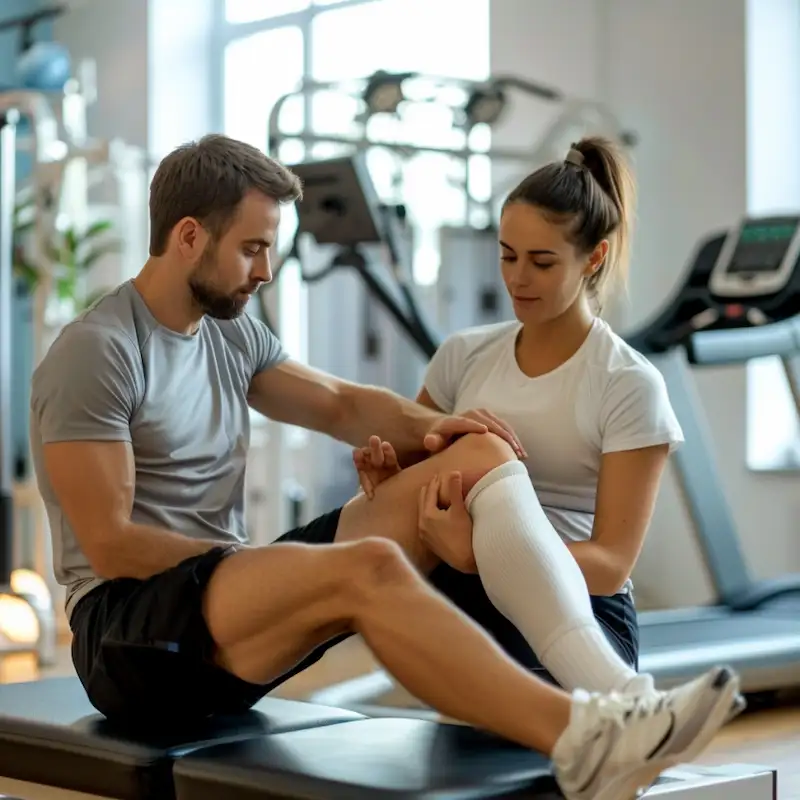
<point>105,331</point>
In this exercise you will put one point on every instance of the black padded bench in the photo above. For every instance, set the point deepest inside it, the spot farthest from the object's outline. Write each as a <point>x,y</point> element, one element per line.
<point>365,760</point>
<point>51,735</point>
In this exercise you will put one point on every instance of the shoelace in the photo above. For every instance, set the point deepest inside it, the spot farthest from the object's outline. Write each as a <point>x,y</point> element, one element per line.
<point>618,708</point>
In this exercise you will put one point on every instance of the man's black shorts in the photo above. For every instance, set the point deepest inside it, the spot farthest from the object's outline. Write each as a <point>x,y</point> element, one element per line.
<point>142,649</point>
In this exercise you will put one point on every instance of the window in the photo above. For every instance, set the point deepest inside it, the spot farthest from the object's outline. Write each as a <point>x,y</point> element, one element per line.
<point>773,185</point>
<point>283,41</point>
<point>380,32</point>
<point>255,10</point>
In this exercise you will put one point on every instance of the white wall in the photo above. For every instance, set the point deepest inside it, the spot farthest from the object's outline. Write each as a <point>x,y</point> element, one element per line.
<point>114,33</point>
<point>675,72</point>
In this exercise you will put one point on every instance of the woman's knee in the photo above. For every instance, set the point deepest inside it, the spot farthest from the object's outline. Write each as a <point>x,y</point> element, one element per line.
<point>476,454</point>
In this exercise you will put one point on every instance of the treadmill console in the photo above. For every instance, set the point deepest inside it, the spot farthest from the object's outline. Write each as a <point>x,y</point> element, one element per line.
<point>757,258</point>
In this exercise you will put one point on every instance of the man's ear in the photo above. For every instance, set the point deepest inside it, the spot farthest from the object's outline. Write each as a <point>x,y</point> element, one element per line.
<point>190,238</point>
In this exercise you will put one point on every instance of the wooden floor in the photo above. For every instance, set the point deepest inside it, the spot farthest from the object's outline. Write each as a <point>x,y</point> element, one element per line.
<point>761,737</point>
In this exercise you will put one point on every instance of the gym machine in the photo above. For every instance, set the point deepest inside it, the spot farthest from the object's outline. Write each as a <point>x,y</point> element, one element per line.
<point>54,744</point>
<point>740,300</point>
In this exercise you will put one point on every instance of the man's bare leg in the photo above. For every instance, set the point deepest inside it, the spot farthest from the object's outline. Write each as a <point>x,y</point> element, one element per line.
<point>267,608</point>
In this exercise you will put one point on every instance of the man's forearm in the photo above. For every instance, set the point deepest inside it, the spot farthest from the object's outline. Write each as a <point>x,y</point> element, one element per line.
<point>373,411</point>
<point>141,551</point>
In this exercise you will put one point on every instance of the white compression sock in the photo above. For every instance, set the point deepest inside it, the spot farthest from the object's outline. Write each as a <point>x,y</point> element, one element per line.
<point>532,579</point>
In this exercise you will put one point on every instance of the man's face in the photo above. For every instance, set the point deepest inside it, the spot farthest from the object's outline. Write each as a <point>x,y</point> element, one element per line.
<point>233,267</point>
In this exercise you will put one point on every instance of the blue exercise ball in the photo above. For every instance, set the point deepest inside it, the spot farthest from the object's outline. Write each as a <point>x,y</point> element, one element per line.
<point>44,67</point>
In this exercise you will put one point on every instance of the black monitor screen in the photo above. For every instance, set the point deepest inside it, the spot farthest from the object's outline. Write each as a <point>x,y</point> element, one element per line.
<point>762,246</point>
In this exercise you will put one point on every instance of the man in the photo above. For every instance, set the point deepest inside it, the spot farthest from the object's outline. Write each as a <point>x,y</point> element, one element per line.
<point>139,433</point>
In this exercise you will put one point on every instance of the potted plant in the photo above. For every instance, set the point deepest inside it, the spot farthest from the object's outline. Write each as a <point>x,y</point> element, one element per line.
<point>71,253</point>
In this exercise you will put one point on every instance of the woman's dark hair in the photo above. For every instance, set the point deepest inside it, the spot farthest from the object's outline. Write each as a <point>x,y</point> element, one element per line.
<point>591,193</point>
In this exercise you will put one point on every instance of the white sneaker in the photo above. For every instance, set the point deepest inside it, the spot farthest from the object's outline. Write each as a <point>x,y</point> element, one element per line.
<point>683,697</point>
<point>616,745</point>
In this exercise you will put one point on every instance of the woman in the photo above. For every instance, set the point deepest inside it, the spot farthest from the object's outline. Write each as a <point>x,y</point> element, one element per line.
<point>553,539</point>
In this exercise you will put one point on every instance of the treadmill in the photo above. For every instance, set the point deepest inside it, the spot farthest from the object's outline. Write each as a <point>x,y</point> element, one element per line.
<point>739,300</point>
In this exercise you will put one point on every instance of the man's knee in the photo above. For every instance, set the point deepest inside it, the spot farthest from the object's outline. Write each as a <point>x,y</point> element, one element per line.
<point>376,565</point>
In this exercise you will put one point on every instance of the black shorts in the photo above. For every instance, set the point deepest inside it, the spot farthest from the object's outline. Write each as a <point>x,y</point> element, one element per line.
<point>143,651</point>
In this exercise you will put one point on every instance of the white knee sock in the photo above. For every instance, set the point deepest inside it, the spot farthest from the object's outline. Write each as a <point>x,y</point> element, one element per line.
<point>532,579</point>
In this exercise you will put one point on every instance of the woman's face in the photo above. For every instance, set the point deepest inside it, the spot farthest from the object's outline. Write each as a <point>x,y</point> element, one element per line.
<point>543,272</point>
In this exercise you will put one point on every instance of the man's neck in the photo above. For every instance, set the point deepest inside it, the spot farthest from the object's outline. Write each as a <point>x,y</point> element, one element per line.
<point>166,294</point>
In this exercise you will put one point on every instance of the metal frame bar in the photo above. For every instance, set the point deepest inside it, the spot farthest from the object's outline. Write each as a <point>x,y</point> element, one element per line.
<point>7,199</point>
<point>702,484</point>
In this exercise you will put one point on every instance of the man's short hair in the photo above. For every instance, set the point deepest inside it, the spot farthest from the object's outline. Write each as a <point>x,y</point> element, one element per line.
<point>207,180</point>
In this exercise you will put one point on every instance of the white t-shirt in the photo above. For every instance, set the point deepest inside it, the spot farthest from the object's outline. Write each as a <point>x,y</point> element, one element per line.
<point>607,397</point>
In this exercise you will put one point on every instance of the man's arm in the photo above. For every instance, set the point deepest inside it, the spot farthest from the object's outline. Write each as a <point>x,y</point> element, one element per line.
<point>94,484</point>
<point>306,397</point>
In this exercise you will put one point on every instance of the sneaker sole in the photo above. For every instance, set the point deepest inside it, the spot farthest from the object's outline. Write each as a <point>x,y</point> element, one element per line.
<point>628,787</point>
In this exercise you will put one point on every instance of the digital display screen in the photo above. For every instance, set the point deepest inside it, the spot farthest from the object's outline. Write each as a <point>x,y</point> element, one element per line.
<point>762,246</point>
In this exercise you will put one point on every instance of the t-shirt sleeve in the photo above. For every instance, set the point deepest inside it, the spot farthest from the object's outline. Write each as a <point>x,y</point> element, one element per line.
<point>86,388</point>
<point>263,346</point>
<point>637,411</point>
<point>443,374</point>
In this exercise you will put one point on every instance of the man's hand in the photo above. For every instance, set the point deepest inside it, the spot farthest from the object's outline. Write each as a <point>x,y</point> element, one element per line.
<point>375,463</point>
<point>444,523</point>
<point>477,420</point>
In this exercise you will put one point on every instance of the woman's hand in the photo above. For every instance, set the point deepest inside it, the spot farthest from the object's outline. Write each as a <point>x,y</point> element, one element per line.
<point>375,463</point>
<point>444,523</point>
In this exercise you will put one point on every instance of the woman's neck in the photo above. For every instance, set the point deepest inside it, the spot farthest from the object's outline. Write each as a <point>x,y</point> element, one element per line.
<point>542,348</point>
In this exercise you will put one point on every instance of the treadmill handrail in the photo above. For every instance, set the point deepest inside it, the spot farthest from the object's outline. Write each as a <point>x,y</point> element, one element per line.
<point>739,345</point>
<point>765,592</point>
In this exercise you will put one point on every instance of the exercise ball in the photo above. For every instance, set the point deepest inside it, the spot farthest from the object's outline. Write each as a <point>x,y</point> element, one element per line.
<point>44,67</point>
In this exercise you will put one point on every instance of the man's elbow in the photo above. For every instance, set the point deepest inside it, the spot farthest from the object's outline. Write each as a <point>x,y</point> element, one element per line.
<point>106,553</point>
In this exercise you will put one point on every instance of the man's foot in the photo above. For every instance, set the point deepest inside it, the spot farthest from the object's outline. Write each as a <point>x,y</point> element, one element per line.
<point>616,745</point>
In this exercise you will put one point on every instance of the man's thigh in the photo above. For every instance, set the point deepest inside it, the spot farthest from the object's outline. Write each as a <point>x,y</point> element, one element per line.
<point>144,653</point>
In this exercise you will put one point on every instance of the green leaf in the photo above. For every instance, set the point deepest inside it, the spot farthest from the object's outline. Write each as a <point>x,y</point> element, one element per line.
<point>70,240</point>
<point>65,288</point>
<point>96,228</point>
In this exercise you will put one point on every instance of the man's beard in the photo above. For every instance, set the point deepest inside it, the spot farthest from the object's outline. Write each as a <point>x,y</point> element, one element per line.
<point>211,301</point>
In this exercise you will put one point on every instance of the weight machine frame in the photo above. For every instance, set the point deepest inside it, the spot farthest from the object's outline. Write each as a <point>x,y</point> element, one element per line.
<point>340,207</point>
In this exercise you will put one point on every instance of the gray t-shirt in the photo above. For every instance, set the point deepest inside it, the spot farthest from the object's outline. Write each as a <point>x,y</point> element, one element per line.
<point>116,374</point>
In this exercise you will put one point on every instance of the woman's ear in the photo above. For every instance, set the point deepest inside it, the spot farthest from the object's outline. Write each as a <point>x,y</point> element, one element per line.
<point>596,259</point>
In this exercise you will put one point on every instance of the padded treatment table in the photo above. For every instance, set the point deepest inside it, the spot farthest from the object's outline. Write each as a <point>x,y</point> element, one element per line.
<point>51,736</point>
<point>406,758</point>
<point>363,760</point>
